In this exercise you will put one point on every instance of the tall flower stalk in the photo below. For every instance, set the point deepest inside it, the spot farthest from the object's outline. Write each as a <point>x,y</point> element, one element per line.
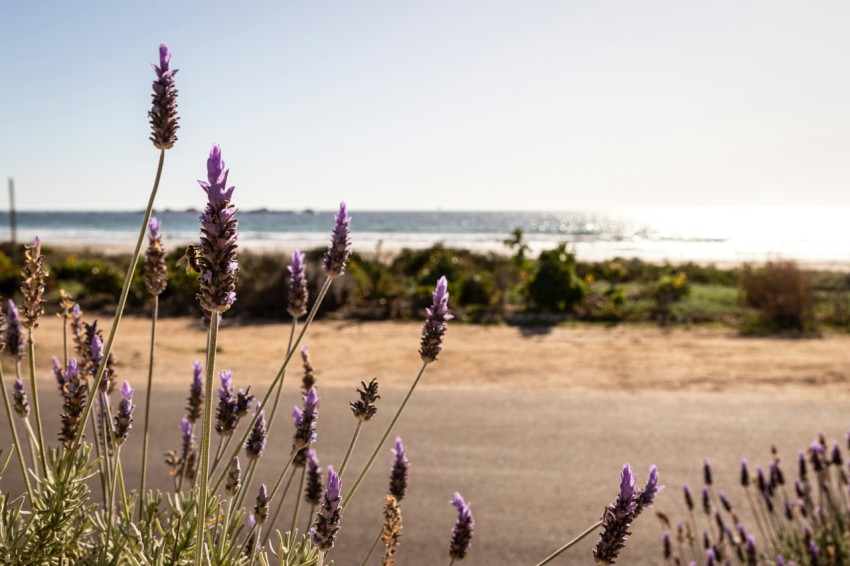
<point>34,276</point>
<point>156,280</point>
<point>215,257</point>
<point>163,116</point>
<point>433,331</point>
<point>12,428</point>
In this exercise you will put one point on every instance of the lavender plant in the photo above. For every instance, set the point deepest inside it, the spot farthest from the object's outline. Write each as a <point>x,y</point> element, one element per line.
<point>59,520</point>
<point>806,525</point>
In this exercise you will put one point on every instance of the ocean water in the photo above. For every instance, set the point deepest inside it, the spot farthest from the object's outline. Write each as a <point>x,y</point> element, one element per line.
<point>815,236</point>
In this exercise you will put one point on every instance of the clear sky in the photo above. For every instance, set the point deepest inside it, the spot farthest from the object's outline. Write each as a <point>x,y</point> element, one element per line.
<point>533,105</point>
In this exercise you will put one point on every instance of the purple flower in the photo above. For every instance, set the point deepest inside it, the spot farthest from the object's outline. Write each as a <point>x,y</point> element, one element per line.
<point>261,509</point>
<point>463,529</point>
<point>195,404</point>
<point>227,414</point>
<point>305,422</point>
<point>364,408</point>
<point>19,398</point>
<point>124,414</point>
<point>328,518</point>
<point>215,256</point>
<point>667,544</point>
<point>340,247</point>
<point>399,471</point>
<point>752,554</point>
<point>745,473</point>
<point>315,486</point>
<point>706,500</point>
<point>296,296</point>
<point>689,500</point>
<point>57,372</point>
<point>646,496</point>
<point>156,271</point>
<point>814,552</point>
<point>435,323</point>
<point>836,457</point>
<point>801,459</point>
<point>163,113</point>
<point>74,393</point>
<point>14,337</point>
<point>617,520</point>
<point>256,443</point>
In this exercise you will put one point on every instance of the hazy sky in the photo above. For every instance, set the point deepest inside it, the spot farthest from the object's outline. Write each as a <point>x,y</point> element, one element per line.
<point>529,104</point>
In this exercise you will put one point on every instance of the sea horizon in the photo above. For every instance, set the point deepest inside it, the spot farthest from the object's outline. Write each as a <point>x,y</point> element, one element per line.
<point>723,235</point>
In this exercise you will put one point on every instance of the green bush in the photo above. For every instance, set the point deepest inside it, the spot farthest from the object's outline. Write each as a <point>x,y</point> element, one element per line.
<point>556,286</point>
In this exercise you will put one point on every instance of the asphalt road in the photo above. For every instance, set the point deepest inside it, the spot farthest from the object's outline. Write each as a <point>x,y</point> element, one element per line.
<point>538,466</point>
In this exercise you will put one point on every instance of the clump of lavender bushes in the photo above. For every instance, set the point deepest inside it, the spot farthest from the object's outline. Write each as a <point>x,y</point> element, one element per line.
<point>77,508</point>
<point>777,515</point>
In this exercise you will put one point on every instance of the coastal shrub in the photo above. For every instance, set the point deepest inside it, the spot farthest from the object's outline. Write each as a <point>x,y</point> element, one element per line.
<point>772,516</point>
<point>214,514</point>
<point>556,286</point>
<point>781,293</point>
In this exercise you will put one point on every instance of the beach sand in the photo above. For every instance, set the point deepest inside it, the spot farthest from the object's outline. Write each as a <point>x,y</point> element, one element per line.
<point>531,427</point>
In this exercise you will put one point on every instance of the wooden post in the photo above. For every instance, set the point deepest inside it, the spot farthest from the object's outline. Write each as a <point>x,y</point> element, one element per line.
<point>13,221</point>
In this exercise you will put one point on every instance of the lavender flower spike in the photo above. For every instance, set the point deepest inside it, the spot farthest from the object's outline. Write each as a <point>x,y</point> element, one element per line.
<point>124,414</point>
<point>261,509</point>
<point>646,497</point>
<point>435,323</point>
<point>156,271</point>
<point>19,399</point>
<point>617,520</point>
<point>399,471</point>
<point>74,393</point>
<point>463,529</point>
<point>256,443</point>
<point>163,113</point>
<point>296,296</point>
<point>215,256</point>
<point>315,486</point>
<point>226,416</point>
<point>14,336</point>
<point>195,402</point>
<point>305,426</point>
<point>328,517</point>
<point>340,247</point>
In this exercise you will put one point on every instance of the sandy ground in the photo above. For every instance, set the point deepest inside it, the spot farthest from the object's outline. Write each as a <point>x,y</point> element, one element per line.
<point>532,428</point>
<point>623,358</point>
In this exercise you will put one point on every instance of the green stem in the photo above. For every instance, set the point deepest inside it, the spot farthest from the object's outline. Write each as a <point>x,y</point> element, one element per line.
<point>246,485</point>
<point>42,458</point>
<point>280,385</point>
<point>100,461</point>
<point>109,510</point>
<point>555,554</point>
<point>282,499</point>
<point>381,442</point>
<point>279,378</point>
<point>15,438</point>
<point>310,518</point>
<point>185,460</point>
<point>205,438</point>
<point>107,460</point>
<point>321,559</point>
<point>298,496</point>
<point>350,448</point>
<point>32,441</point>
<point>155,315</point>
<point>122,301</point>
<point>372,548</point>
